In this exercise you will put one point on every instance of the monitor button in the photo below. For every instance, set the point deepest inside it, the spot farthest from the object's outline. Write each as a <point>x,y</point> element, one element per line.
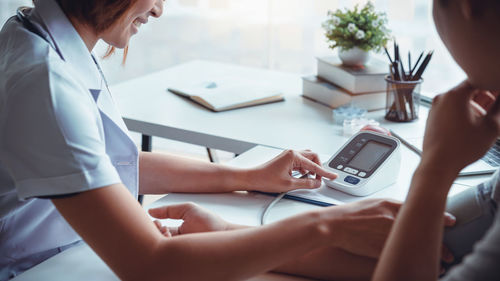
<point>362,174</point>
<point>351,180</point>
<point>339,167</point>
<point>350,170</point>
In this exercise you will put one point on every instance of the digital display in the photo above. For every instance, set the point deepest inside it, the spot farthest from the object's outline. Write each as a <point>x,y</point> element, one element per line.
<point>369,156</point>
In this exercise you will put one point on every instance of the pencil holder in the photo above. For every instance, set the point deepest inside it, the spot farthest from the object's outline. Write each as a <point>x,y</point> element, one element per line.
<point>403,100</point>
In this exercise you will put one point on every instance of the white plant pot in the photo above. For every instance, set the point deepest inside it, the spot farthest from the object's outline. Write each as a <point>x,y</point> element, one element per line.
<point>354,56</point>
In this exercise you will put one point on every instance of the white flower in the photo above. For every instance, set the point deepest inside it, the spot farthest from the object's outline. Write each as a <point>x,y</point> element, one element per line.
<point>336,20</point>
<point>351,27</point>
<point>381,22</point>
<point>375,23</point>
<point>360,34</point>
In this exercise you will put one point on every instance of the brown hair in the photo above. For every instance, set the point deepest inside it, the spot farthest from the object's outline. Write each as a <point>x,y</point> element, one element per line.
<point>99,14</point>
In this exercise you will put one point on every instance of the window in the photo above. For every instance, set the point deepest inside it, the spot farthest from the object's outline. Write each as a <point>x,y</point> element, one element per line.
<point>284,35</point>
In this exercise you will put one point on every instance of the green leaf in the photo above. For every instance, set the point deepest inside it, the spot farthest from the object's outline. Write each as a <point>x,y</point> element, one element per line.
<point>339,37</point>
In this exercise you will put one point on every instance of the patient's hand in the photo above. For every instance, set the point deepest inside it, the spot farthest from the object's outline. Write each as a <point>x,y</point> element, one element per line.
<point>196,219</point>
<point>462,125</point>
<point>364,226</point>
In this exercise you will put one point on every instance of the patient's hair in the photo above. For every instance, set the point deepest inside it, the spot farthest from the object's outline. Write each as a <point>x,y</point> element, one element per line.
<point>478,6</point>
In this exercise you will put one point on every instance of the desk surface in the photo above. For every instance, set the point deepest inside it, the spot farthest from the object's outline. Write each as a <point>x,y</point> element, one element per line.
<point>297,123</point>
<point>81,263</point>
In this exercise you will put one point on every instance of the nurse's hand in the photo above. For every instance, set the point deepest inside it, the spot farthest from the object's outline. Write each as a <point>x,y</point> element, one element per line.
<point>276,175</point>
<point>462,125</point>
<point>196,219</point>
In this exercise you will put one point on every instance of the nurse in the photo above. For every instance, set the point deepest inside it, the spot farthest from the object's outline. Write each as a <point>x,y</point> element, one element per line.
<point>69,170</point>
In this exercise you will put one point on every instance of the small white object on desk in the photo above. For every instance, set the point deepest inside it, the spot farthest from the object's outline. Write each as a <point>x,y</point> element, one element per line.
<point>352,126</point>
<point>346,113</point>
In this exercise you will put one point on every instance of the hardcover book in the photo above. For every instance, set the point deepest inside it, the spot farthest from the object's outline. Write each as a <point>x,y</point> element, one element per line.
<point>356,80</point>
<point>320,90</point>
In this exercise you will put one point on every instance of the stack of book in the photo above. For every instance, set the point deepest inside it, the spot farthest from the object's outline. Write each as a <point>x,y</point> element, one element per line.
<point>337,85</point>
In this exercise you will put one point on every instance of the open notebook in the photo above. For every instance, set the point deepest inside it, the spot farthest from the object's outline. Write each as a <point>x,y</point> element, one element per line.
<point>228,93</point>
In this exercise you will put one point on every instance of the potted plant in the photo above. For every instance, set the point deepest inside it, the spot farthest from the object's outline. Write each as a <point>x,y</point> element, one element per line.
<point>356,32</point>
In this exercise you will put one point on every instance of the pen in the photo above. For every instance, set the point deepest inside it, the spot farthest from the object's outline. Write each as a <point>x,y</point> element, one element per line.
<point>388,56</point>
<point>422,67</point>
<point>407,144</point>
<point>416,64</point>
<point>403,72</point>
<point>409,62</point>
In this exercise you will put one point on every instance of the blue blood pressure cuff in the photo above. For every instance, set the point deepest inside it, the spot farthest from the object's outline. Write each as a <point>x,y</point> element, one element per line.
<point>475,211</point>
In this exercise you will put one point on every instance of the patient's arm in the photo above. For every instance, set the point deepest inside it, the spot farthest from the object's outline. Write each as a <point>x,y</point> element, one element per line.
<point>456,135</point>
<point>328,263</point>
<point>331,264</point>
<point>111,221</point>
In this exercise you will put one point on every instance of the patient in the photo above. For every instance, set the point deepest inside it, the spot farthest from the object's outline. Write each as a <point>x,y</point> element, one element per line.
<point>462,125</point>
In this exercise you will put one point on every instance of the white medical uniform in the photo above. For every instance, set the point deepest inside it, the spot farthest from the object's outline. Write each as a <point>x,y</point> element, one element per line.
<point>60,134</point>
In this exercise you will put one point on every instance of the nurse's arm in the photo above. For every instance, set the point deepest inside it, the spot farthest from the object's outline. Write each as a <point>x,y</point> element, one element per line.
<point>112,222</point>
<point>164,173</point>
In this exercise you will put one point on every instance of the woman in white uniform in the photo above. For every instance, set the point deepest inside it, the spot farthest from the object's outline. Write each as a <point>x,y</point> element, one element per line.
<point>65,152</point>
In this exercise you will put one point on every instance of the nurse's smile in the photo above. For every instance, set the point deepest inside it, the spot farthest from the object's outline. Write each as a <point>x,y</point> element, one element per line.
<point>119,34</point>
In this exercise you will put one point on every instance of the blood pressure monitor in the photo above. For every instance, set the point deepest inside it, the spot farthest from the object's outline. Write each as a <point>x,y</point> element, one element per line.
<point>367,163</point>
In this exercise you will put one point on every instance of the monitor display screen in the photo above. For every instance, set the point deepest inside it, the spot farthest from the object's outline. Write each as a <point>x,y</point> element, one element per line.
<point>369,156</point>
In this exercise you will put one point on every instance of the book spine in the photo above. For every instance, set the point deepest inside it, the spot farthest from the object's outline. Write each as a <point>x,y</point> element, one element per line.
<point>323,93</point>
<point>372,101</point>
<point>329,95</point>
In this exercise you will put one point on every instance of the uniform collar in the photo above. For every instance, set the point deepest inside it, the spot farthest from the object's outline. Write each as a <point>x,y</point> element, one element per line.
<point>66,39</point>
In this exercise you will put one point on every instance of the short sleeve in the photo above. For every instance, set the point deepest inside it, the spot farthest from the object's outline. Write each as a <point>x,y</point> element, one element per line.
<point>52,139</point>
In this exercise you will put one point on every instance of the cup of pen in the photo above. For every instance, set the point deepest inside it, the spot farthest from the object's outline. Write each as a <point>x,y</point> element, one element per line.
<point>403,100</point>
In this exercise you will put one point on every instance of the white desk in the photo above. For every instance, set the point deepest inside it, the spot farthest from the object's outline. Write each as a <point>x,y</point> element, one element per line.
<point>297,123</point>
<point>81,263</point>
